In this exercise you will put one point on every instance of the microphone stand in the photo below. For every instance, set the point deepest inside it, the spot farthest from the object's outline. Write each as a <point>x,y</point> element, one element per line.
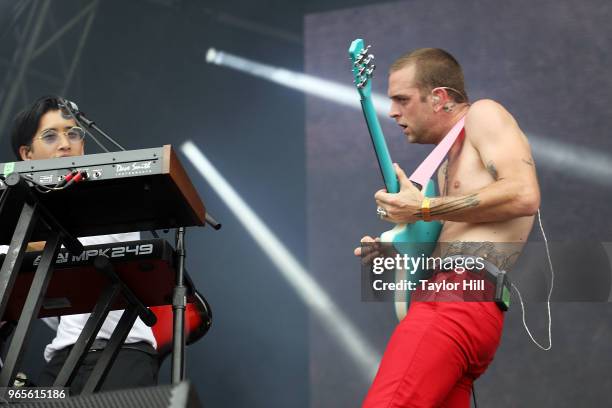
<point>179,295</point>
<point>179,304</point>
<point>90,124</point>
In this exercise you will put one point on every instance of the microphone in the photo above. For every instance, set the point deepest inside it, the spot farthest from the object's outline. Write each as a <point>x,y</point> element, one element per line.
<point>66,107</point>
<point>71,110</point>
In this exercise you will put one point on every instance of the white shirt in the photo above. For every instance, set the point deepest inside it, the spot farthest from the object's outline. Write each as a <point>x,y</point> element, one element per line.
<point>70,326</point>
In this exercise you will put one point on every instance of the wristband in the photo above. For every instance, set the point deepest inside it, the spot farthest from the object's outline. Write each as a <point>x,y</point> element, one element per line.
<point>425,209</point>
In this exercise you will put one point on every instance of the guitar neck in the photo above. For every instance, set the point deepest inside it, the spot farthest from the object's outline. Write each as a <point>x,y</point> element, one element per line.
<point>380,146</point>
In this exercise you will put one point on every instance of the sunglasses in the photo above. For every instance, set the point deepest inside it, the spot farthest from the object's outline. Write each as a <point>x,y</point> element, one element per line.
<point>51,136</point>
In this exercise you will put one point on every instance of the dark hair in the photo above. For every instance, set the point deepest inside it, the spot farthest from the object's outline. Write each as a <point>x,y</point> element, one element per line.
<point>434,68</point>
<point>26,122</point>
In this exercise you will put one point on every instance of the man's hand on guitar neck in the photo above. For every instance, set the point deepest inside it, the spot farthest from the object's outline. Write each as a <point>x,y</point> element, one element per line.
<point>368,250</point>
<point>401,208</point>
<point>371,248</point>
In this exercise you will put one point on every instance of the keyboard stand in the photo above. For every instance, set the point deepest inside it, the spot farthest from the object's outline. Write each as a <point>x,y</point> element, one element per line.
<point>19,195</point>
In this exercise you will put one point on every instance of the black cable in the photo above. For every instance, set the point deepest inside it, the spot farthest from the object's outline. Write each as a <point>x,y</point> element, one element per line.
<point>36,184</point>
<point>39,185</point>
<point>474,396</point>
<point>41,188</point>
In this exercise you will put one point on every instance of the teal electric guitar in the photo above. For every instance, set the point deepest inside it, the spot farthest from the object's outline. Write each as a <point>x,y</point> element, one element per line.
<point>418,239</point>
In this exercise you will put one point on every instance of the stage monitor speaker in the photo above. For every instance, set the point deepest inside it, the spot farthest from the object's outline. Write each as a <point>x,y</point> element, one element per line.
<point>182,395</point>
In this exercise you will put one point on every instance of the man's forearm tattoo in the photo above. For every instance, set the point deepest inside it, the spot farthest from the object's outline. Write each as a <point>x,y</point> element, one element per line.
<point>453,205</point>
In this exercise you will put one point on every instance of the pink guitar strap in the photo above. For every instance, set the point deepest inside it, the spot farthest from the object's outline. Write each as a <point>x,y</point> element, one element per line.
<point>426,169</point>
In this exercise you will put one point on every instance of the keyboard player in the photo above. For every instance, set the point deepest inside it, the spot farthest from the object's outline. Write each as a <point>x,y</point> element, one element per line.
<point>44,131</point>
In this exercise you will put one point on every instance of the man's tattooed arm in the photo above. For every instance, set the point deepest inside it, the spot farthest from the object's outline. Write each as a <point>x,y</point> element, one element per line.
<point>452,205</point>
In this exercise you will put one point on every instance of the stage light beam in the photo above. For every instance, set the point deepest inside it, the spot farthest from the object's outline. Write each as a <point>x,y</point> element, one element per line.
<point>309,84</point>
<point>311,293</point>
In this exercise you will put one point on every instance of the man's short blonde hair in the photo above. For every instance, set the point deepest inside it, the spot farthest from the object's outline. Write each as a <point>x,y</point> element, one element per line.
<point>434,68</point>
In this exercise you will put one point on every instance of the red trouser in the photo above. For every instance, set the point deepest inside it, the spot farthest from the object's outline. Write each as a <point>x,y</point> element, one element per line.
<point>435,354</point>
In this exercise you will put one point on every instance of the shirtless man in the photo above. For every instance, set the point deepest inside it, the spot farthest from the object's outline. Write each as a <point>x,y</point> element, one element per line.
<point>489,193</point>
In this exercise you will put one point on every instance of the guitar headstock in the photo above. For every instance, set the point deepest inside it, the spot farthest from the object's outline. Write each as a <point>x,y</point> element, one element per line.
<point>363,66</point>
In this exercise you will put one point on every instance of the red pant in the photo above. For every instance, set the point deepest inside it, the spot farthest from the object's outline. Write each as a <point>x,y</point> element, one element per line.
<point>435,354</point>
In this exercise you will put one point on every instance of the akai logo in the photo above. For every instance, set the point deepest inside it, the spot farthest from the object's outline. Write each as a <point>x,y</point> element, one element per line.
<point>87,254</point>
